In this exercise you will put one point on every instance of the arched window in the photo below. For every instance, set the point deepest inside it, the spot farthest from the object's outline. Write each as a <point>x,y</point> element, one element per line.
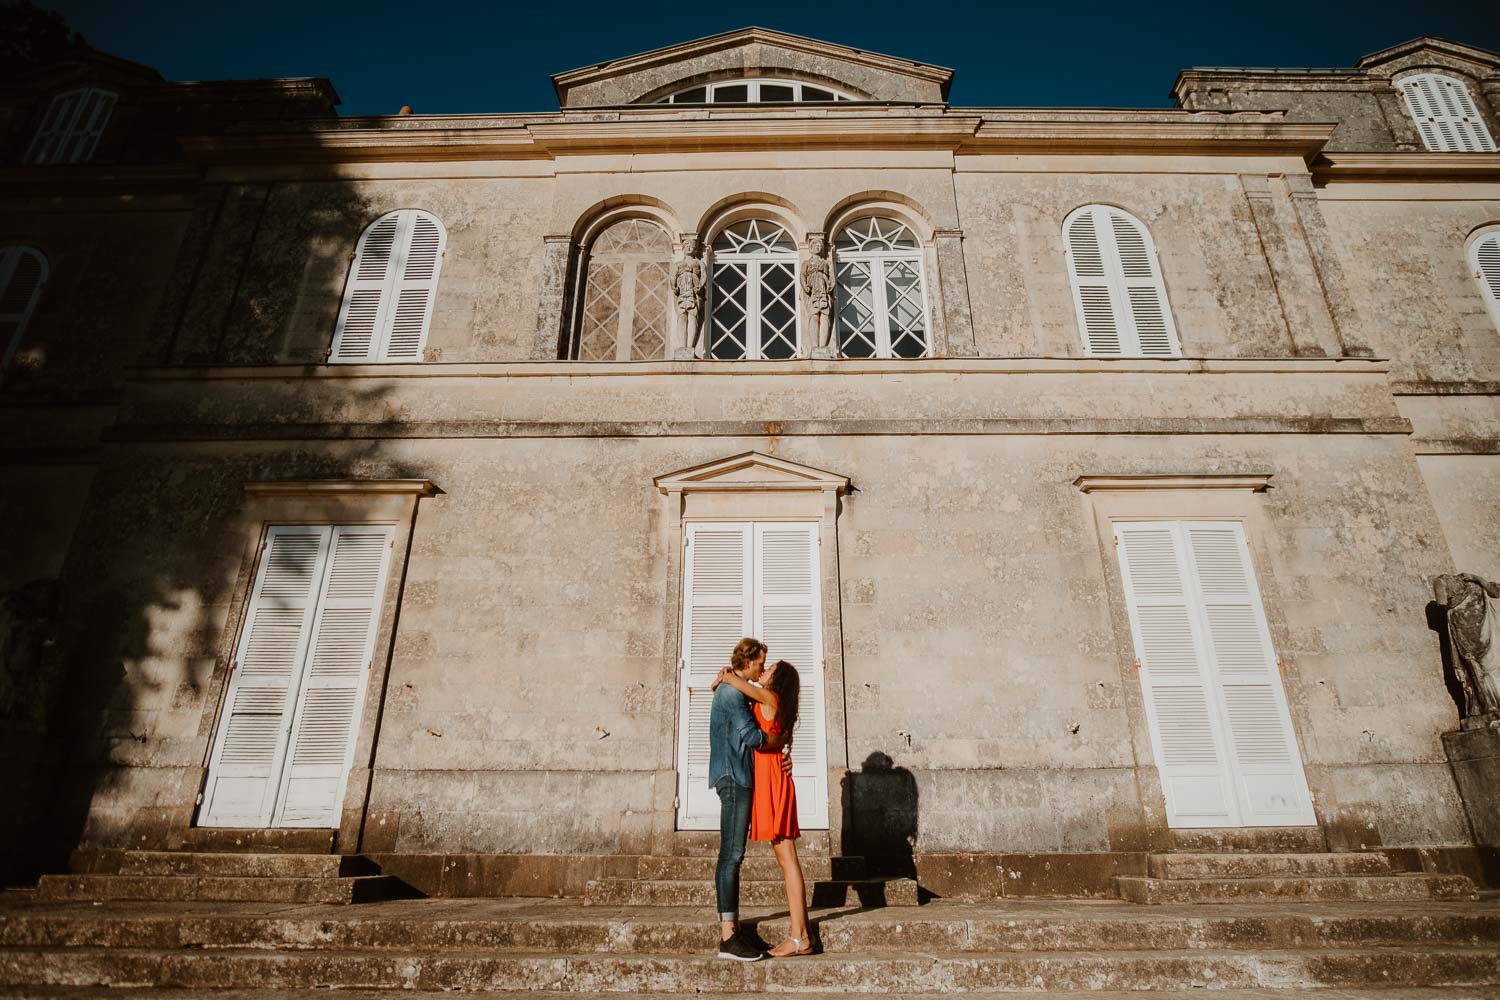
<point>23,272</point>
<point>1484,260</point>
<point>392,285</point>
<point>1445,114</point>
<point>1117,286</point>
<point>757,91</point>
<point>882,308</point>
<point>72,126</point>
<point>753,310</point>
<point>627,299</point>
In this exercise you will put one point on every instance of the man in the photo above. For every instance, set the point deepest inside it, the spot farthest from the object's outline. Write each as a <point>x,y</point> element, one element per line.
<point>733,736</point>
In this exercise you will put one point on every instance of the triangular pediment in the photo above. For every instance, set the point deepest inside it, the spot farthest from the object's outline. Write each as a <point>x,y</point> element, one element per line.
<point>1429,51</point>
<point>750,53</point>
<point>750,471</point>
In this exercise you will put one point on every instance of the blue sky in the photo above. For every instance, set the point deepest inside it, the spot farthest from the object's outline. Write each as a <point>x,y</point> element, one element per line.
<point>454,58</point>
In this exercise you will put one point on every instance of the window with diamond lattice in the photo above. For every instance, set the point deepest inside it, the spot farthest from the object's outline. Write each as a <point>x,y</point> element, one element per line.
<point>882,308</point>
<point>753,304</point>
<point>627,300</point>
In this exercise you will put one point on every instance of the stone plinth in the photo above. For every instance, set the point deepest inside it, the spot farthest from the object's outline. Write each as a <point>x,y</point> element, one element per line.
<point>1475,757</point>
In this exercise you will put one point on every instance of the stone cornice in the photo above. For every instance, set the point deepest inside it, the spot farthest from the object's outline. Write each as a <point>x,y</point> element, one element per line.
<point>478,138</point>
<point>1255,483</point>
<point>1406,167</point>
<point>733,369</point>
<point>342,487</point>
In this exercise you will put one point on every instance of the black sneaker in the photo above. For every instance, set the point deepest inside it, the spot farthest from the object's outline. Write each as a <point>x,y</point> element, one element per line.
<point>740,950</point>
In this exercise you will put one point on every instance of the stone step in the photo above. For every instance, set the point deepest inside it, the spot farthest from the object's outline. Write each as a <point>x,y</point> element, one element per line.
<point>564,927</point>
<point>260,889</point>
<point>705,844</point>
<point>757,868</point>
<point>316,866</point>
<point>869,973</point>
<point>252,993</point>
<point>259,840</point>
<point>700,892</point>
<point>1211,866</point>
<point>1375,888</point>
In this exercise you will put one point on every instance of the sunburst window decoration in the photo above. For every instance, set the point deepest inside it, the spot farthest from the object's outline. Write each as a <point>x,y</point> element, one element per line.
<point>881,308</point>
<point>753,307</point>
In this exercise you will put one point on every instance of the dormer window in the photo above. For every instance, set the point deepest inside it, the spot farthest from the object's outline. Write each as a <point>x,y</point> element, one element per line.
<point>71,129</point>
<point>1445,114</point>
<point>757,91</point>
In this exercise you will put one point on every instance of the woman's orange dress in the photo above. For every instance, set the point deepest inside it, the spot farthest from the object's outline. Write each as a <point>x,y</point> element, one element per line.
<point>773,809</point>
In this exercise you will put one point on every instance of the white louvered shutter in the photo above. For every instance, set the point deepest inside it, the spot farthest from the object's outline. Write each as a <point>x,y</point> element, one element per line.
<point>71,128</point>
<point>392,287</point>
<point>1267,766</point>
<point>1118,291</point>
<point>1445,114</point>
<point>332,691</point>
<point>23,272</point>
<point>788,620</point>
<point>248,749</point>
<point>716,614</point>
<point>1186,738</point>
<point>1484,258</point>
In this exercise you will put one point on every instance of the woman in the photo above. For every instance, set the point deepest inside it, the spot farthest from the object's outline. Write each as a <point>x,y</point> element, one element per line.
<point>773,811</point>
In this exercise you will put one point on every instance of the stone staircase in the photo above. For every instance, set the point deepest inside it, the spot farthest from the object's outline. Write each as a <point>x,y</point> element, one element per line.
<point>178,876</point>
<point>1294,877</point>
<point>561,946</point>
<point>688,881</point>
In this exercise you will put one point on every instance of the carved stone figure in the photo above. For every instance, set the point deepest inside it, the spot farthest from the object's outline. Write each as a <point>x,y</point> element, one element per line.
<point>29,617</point>
<point>688,281</point>
<point>1473,626</point>
<point>817,285</point>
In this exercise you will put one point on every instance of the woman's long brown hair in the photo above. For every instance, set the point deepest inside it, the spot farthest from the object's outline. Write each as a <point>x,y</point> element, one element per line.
<point>786,685</point>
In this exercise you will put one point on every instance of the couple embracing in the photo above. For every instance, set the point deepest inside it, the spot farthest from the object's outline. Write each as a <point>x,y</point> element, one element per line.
<point>749,766</point>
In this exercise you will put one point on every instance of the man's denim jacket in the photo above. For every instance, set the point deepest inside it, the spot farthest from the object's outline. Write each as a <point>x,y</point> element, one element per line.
<point>733,735</point>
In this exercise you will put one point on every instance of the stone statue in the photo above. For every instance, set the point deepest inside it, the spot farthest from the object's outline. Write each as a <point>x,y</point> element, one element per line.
<point>29,618</point>
<point>1473,628</point>
<point>688,281</point>
<point>817,285</point>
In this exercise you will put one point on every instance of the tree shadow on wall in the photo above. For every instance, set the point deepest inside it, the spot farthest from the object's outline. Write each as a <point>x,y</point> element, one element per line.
<point>157,555</point>
<point>880,816</point>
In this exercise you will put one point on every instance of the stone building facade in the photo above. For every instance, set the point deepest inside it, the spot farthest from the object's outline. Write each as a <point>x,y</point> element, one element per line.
<point>391,480</point>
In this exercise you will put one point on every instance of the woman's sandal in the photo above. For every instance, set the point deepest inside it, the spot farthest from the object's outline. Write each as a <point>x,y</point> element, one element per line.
<point>802,946</point>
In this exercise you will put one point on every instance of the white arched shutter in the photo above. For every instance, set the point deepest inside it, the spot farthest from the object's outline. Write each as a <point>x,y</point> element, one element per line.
<point>789,622</point>
<point>1484,257</point>
<point>392,286</point>
<point>245,764</point>
<point>1445,114</point>
<point>1220,730</point>
<point>1117,285</point>
<point>716,614</point>
<point>338,661</point>
<point>72,126</point>
<point>23,272</point>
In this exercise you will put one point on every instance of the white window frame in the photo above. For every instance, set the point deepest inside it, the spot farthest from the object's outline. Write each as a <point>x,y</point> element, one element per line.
<point>877,260</point>
<point>1445,114</point>
<point>10,259</point>
<point>754,262</point>
<point>68,135</point>
<point>752,94</point>
<point>1487,241</point>
<point>390,288</point>
<point>1117,283</point>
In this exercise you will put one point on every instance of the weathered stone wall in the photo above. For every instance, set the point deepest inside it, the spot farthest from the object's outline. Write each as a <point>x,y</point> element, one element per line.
<point>984,640</point>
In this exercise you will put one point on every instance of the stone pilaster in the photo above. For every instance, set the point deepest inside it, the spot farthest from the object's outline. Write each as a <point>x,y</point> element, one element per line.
<point>216,283</point>
<point>953,335</point>
<point>1311,331</point>
<point>1327,265</point>
<point>553,299</point>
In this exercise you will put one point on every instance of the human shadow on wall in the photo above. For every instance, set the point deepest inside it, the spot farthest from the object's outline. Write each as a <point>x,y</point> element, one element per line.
<point>154,561</point>
<point>1437,620</point>
<point>881,816</point>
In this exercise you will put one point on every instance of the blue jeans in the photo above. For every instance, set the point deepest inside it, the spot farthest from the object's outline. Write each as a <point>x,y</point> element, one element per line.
<point>734,828</point>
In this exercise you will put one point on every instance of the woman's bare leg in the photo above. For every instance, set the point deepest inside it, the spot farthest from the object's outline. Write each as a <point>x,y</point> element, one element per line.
<point>796,893</point>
